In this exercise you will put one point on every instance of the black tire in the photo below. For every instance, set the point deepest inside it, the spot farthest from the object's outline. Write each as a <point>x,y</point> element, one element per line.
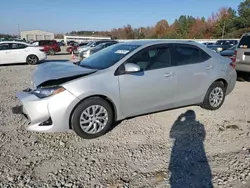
<point>206,103</point>
<point>75,119</point>
<point>51,52</point>
<point>32,60</point>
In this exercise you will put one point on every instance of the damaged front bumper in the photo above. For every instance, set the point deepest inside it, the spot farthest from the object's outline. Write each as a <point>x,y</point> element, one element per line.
<point>49,114</point>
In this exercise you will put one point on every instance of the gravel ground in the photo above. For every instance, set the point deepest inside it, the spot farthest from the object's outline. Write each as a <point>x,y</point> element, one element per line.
<point>159,150</point>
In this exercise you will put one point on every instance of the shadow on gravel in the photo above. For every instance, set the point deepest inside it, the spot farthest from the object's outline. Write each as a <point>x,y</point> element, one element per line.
<point>12,64</point>
<point>243,76</point>
<point>188,164</point>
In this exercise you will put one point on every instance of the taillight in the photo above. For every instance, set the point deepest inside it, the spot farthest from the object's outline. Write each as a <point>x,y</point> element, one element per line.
<point>233,64</point>
<point>234,56</point>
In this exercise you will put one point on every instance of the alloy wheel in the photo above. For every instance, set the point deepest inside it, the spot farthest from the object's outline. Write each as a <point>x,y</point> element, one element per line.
<point>93,119</point>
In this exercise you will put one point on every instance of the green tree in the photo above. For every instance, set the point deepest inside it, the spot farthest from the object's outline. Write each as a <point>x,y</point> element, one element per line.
<point>244,14</point>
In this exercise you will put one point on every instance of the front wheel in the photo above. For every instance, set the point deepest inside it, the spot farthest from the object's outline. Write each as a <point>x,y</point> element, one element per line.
<point>92,118</point>
<point>215,96</point>
<point>32,60</point>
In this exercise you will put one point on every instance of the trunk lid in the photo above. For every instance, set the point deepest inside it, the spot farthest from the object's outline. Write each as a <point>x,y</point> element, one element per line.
<point>58,70</point>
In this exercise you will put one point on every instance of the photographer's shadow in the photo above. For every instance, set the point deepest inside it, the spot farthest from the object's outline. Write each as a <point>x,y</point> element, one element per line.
<point>188,164</point>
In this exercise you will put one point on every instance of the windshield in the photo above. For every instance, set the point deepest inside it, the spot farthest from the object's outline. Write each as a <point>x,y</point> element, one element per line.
<point>89,43</point>
<point>233,47</point>
<point>100,46</point>
<point>108,56</point>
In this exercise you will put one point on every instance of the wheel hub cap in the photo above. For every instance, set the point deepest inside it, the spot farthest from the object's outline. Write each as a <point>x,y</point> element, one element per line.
<point>216,97</point>
<point>93,119</point>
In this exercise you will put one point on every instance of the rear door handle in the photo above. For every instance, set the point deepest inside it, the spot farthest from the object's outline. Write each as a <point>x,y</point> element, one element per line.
<point>169,74</point>
<point>209,67</point>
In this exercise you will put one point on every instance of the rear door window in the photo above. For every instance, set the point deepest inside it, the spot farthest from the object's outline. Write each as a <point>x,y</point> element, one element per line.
<point>244,42</point>
<point>14,46</point>
<point>184,54</point>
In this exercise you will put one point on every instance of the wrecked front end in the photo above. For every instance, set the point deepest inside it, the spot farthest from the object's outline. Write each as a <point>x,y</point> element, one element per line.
<point>47,106</point>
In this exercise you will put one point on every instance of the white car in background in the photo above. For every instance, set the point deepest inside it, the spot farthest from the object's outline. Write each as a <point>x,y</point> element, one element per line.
<point>20,52</point>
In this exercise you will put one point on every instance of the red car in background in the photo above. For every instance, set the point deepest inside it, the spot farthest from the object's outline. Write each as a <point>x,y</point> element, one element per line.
<point>73,46</point>
<point>49,46</point>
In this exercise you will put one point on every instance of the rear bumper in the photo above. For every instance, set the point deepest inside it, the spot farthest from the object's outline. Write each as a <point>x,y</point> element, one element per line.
<point>42,56</point>
<point>242,67</point>
<point>46,115</point>
<point>231,82</point>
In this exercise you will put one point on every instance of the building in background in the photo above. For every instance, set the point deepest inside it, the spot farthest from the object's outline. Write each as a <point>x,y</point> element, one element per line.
<point>33,35</point>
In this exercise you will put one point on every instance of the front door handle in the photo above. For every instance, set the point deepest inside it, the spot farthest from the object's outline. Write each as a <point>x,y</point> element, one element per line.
<point>209,67</point>
<point>169,74</point>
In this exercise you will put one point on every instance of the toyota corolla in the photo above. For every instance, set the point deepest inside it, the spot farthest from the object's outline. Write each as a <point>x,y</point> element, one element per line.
<point>125,80</point>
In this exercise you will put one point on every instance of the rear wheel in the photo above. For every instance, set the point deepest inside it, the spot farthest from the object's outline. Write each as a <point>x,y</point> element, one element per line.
<point>92,118</point>
<point>215,96</point>
<point>32,60</point>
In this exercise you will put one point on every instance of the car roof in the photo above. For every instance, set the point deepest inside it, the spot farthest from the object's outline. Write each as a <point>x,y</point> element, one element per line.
<point>159,41</point>
<point>2,42</point>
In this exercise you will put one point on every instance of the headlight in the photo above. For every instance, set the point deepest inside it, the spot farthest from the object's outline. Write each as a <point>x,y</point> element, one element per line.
<point>47,91</point>
<point>219,49</point>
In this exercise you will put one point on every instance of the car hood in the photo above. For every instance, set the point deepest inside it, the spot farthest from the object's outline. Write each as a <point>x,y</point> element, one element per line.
<point>52,71</point>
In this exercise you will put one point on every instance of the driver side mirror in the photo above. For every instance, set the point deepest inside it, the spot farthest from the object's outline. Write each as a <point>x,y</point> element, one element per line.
<point>131,67</point>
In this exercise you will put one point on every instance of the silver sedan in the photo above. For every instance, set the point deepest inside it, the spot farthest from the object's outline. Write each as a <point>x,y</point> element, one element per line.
<point>125,80</point>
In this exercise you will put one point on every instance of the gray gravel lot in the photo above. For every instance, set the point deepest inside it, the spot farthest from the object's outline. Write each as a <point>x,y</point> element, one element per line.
<point>157,150</point>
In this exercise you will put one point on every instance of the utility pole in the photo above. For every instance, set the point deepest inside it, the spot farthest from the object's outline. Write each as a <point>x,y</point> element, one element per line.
<point>18,30</point>
<point>223,30</point>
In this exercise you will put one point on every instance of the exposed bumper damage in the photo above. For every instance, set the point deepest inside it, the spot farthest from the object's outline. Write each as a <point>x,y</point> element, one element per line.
<point>49,114</point>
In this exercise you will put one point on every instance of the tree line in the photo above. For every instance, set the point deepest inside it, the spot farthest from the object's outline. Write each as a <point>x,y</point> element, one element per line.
<point>226,23</point>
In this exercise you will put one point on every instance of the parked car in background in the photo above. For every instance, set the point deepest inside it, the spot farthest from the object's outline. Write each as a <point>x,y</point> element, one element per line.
<point>87,53</point>
<point>83,43</point>
<point>50,46</point>
<point>20,52</point>
<point>221,45</point>
<point>61,43</point>
<point>229,52</point>
<point>69,43</point>
<point>91,45</point>
<point>208,43</point>
<point>72,48</point>
<point>242,54</point>
<point>143,77</point>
